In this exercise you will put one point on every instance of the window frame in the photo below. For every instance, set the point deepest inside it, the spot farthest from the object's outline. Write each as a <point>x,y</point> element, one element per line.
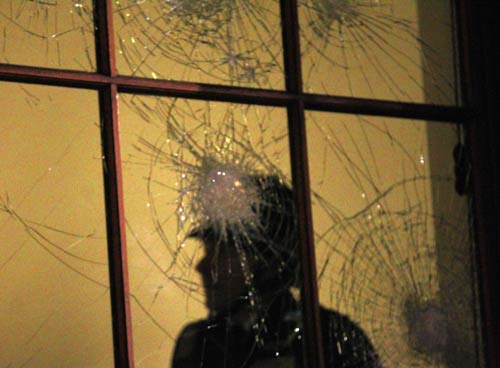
<point>109,84</point>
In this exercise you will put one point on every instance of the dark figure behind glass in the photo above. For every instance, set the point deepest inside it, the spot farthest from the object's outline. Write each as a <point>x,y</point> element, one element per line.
<point>254,320</point>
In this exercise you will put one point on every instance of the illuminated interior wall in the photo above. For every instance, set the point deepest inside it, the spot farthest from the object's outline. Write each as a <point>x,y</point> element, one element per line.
<point>55,302</point>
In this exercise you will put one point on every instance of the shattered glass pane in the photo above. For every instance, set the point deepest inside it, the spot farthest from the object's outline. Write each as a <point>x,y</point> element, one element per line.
<point>392,237</point>
<point>231,42</point>
<point>211,233</point>
<point>54,293</point>
<point>47,33</point>
<point>398,50</point>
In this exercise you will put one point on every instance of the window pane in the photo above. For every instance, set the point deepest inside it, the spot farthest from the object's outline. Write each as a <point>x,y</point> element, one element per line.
<point>392,237</point>
<point>385,49</point>
<point>49,33</point>
<point>54,294</point>
<point>210,41</point>
<point>208,240</point>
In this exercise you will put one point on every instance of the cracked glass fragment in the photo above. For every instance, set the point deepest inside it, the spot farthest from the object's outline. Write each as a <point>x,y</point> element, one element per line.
<point>48,33</point>
<point>54,295</point>
<point>393,248</point>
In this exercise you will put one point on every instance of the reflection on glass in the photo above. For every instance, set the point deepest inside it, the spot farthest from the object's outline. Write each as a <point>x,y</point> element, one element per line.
<point>54,294</point>
<point>232,42</point>
<point>201,181</point>
<point>48,33</point>
<point>396,50</point>
<point>392,243</point>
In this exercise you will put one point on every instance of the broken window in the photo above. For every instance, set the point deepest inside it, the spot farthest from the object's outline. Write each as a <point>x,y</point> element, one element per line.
<point>212,186</point>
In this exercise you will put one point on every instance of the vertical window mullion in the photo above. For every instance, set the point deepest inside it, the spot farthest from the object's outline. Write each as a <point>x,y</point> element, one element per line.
<point>300,174</point>
<point>108,105</point>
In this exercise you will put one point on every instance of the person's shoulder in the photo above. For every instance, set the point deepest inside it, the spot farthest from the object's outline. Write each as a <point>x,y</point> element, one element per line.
<point>332,319</point>
<point>188,344</point>
<point>346,343</point>
<point>194,328</point>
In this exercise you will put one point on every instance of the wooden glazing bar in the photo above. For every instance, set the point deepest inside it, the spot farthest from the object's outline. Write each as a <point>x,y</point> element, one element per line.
<point>117,254</point>
<point>313,348</point>
<point>316,102</point>
<point>117,251</point>
<point>300,175</point>
<point>363,106</point>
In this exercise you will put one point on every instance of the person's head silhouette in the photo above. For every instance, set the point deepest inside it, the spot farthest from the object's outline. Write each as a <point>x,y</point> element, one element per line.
<point>255,255</point>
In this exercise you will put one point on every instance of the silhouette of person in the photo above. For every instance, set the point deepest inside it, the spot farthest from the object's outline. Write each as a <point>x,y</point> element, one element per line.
<point>248,272</point>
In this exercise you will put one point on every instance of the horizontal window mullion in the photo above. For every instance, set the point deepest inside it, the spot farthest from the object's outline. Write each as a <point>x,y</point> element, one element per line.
<point>52,77</point>
<point>363,106</point>
<point>77,79</point>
